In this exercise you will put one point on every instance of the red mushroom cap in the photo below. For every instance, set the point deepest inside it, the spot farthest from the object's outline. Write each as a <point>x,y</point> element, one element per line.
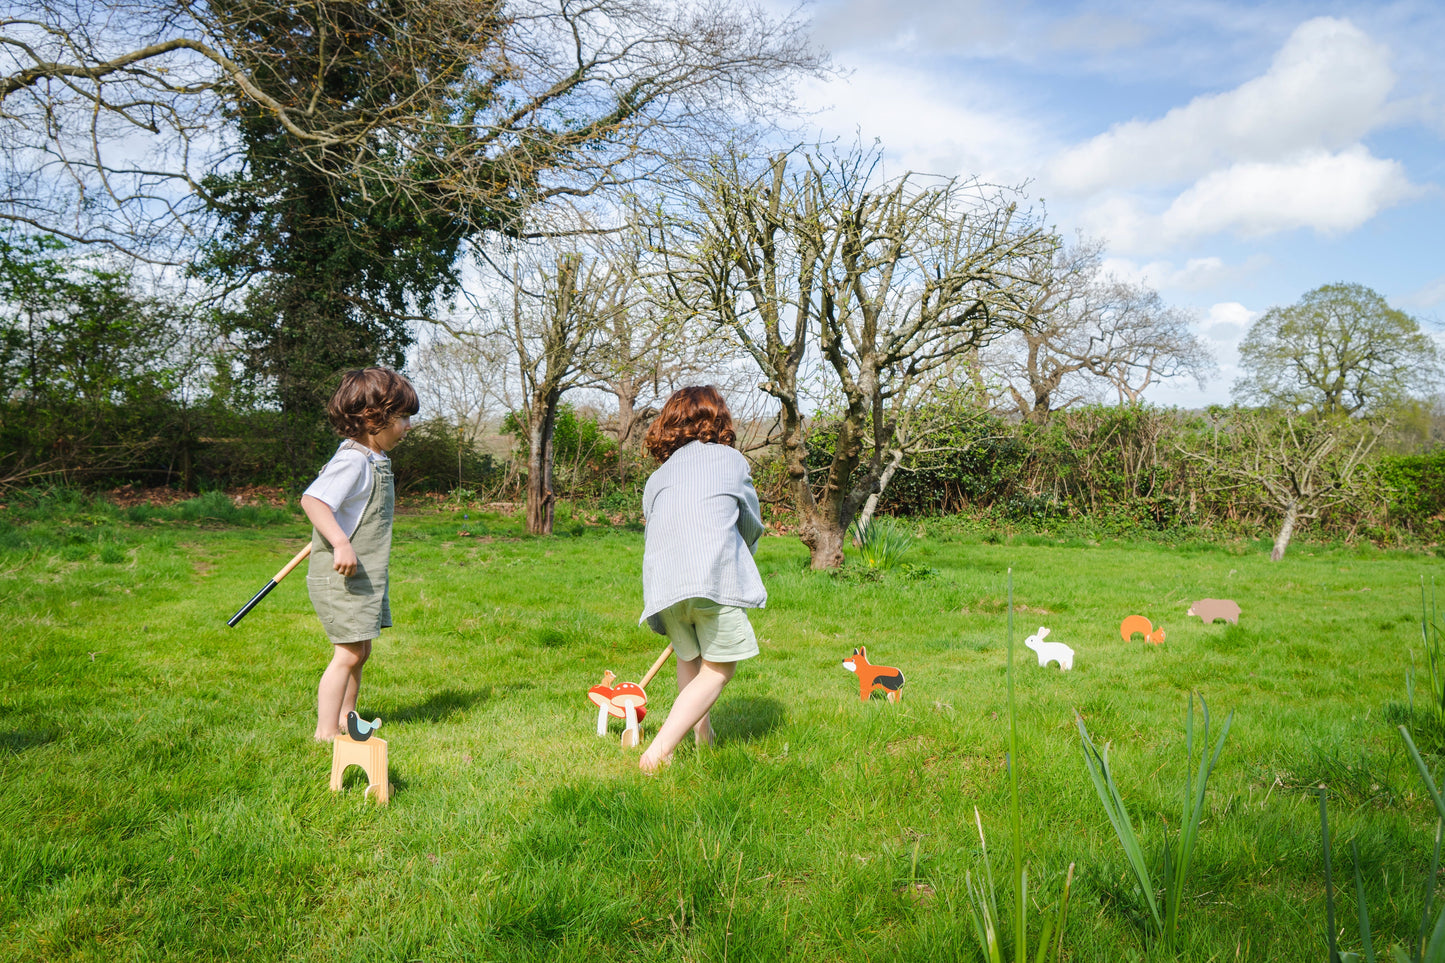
<point>628,694</point>
<point>600,695</point>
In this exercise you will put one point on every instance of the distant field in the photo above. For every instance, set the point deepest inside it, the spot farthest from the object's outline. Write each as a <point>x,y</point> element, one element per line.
<point>161,799</point>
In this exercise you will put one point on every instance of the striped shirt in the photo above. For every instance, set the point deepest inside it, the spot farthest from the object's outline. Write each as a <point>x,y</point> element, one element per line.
<point>703,525</point>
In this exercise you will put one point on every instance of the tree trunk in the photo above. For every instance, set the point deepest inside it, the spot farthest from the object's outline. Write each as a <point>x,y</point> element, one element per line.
<point>824,538</point>
<point>1286,529</point>
<point>818,526</point>
<point>541,500</point>
<point>895,458</point>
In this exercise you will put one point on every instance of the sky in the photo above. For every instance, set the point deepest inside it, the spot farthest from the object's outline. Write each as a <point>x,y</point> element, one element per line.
<point>1233,156</point>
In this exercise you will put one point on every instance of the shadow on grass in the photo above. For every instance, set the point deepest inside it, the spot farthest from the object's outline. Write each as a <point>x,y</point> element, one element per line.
<point>17,742</point>
<point>747,718</point>
<point>440,705</point>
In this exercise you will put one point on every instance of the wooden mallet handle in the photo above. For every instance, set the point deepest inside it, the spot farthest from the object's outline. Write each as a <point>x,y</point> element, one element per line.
<point>275,580</point>
<point>655,666</point>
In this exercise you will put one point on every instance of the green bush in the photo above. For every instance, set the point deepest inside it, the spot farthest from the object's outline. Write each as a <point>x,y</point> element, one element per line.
<point>1414,490</point>
<point>433,458</point>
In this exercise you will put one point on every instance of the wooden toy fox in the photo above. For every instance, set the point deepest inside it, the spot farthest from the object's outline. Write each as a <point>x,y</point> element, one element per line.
<point>871,677</point>
<point>1137,623</point>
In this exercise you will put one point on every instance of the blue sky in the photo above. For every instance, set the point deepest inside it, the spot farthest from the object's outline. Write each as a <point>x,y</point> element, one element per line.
<point>1231,155</point>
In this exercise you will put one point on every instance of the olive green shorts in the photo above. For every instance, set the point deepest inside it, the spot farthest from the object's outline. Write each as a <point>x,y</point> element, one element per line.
<point>717,632</point>
<point>350,609</point>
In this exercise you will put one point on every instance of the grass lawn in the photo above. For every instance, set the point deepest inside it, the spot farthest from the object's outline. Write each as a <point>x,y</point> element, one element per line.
<point>161,797</point>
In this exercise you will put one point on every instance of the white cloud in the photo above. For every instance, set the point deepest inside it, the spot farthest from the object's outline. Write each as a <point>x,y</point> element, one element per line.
<point>1329,193</point>
<point>1326,88</point>
<point>1429,296</point>
<point>939,25</point>
<point>1197,273</point>
<point>1098,33</point>
<point>1122,222</point>
<point>1224,325</point>
<point>924,125</point>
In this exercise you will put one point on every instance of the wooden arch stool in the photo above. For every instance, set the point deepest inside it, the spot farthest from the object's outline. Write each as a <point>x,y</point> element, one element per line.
<point>370,755</point>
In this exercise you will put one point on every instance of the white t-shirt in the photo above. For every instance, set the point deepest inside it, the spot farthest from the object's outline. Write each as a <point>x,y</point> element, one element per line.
<point>345,484</point>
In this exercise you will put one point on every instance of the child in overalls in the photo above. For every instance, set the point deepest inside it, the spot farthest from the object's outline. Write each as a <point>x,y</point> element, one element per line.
<point>698,574</point>
<point>350,507</point>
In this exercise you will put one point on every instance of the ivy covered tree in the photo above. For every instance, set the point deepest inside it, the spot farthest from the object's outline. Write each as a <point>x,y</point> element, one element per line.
<point>330,160</point>
<point>332,255</point>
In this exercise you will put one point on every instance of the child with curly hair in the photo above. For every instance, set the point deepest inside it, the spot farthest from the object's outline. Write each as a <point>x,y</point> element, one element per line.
<point>350,505</point>
<point>698,574</point>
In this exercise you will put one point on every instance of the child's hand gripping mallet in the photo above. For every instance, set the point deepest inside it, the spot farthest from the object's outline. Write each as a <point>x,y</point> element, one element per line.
<point>275,580</point>
<point>630,697</point>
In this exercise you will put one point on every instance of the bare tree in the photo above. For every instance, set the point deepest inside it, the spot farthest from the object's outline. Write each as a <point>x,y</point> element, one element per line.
<point>113,114</point>
<point>1040,363</point>
<point>1302,465</point>
<point>1081,331</point>
<point>886,281</point>
<point>552,329</point>
<point>652,346</point>
<point>459,373</point>
<point>1141,341</point>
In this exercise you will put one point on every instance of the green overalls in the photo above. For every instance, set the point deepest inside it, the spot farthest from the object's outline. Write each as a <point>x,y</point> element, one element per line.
<point>356,609</point>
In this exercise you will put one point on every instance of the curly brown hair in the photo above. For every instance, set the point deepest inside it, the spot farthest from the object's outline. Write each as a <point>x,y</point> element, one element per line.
<point>698,413</point>
<point>367,401</point>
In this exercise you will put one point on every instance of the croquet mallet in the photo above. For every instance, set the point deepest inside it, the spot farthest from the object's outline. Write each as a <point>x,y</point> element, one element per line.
<point>275,580</point>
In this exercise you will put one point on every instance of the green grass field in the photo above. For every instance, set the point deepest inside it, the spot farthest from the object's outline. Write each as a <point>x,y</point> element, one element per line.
<point>161,797</point>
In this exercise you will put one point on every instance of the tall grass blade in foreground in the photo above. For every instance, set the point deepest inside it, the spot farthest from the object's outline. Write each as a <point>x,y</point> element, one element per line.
<point>1423,949</point>
<point>1433,950</point>
<point>1175,858</point>
<point>881,542</point>
<point>982,894</point>
<point>1430,638</point>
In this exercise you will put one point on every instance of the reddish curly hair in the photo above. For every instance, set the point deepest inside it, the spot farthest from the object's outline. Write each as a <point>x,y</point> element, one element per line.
<point>367,401</point>
<point>697,413</point>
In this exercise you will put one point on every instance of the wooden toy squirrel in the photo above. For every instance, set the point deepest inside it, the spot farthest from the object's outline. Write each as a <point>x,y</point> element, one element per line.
<point>1137,623</point>
<point>871,677</point>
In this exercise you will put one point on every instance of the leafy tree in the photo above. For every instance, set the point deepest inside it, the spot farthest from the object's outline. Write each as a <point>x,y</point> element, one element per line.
<point>1341,349</point>
<point>79,348</point>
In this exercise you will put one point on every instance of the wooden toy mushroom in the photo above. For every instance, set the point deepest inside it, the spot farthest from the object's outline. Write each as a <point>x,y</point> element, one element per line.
<point>601,696</point>
<point>630,697</point>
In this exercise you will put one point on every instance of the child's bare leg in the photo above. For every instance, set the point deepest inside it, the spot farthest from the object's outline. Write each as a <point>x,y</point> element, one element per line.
<point>341,674</point>
<point>690,709</point>
<point>353,686</point>
<point>686,672</point>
